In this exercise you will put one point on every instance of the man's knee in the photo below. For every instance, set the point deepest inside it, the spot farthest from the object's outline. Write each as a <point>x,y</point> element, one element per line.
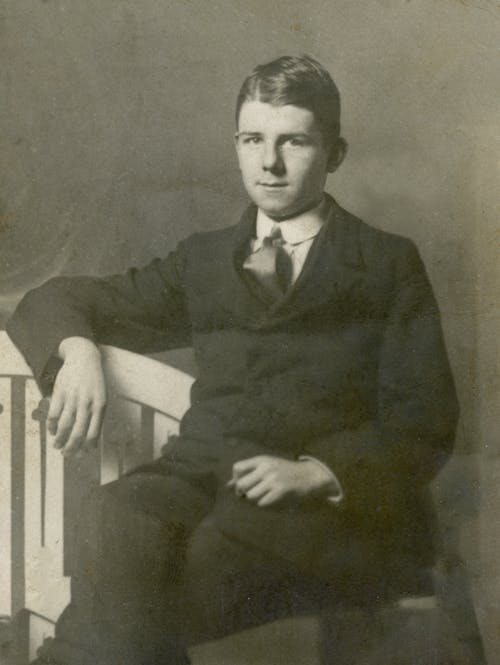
<point>138,526</point>
<point>230,586</point>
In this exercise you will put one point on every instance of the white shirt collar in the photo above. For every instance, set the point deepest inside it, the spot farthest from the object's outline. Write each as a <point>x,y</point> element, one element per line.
<point>296,230</point>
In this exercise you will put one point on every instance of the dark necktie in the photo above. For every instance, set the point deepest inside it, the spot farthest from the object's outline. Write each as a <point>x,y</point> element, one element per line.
<point>271,265</point>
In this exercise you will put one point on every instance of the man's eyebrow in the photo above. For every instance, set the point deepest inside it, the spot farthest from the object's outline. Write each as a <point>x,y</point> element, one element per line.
<point>292,135</point>
<point>287,135</point>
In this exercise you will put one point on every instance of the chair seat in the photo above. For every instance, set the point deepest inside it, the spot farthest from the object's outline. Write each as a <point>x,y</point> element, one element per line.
<point>403,633</point>
<point>293,641</point>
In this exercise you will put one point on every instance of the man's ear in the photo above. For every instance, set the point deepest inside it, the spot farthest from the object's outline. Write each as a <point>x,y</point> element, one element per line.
<point>236,145</point>
<point>337,155</point>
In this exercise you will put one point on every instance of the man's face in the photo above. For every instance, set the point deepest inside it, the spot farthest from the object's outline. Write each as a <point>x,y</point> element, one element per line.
<point>282,156</point>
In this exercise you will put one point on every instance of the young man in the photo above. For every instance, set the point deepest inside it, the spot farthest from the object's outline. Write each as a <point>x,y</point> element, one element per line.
<point>323,406</point>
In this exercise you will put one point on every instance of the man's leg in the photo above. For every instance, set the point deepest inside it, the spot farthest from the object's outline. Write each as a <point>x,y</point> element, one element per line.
<point>126,579</point>
<point>230,585</point>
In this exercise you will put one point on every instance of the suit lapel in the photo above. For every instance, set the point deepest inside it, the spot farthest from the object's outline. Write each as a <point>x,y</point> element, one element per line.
<point>233,290</point>
<point>333,267</point>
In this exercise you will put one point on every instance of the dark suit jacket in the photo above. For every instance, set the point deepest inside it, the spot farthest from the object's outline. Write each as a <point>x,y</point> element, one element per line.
<point>349,366</point>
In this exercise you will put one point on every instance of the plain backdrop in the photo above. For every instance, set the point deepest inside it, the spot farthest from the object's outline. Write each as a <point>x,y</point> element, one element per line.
<point>116,123</point>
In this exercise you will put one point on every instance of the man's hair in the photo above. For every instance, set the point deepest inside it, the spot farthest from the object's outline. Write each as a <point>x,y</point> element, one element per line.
<point>298,80</point>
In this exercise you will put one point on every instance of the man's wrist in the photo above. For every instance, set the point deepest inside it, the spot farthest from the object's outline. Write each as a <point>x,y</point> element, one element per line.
<point>77,346</point>
<point>326,482</point>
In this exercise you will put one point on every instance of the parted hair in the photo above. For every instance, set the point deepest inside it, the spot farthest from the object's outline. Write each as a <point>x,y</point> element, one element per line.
<point>298,80</point>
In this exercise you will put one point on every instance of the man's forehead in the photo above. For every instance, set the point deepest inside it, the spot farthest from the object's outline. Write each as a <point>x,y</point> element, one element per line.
<point>257,116</point>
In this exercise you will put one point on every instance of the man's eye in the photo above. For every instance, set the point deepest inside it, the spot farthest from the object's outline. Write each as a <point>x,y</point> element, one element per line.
<point>295,142</point>
<point>252,140</point>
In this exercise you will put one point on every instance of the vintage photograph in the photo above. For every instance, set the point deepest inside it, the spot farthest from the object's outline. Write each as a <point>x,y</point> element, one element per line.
<point>249,314</point>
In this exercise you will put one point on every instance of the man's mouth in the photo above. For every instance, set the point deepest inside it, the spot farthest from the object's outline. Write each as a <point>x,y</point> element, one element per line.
<point>273,185</point>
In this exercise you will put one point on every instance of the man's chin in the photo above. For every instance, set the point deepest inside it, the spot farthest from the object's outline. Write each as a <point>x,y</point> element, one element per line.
<point>282,205</point>
<point>277,215</point>
<point>275,209</point>
<point>282,213</point>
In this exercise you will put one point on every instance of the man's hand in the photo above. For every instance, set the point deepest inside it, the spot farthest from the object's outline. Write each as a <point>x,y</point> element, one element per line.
<point>79,397</point>
<point>266,480</point>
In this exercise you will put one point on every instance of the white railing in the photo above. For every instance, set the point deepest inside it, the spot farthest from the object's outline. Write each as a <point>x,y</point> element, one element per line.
<point>146,400</point>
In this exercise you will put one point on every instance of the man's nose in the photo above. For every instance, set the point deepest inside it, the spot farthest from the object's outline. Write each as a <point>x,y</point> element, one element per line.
<point>271,157</point>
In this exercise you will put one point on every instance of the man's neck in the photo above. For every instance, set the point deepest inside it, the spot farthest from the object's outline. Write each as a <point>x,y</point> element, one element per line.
<point>296,228</point>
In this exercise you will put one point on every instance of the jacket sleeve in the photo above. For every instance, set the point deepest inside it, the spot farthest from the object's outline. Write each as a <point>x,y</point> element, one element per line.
<point>413,430</point>
<point>143,310</point>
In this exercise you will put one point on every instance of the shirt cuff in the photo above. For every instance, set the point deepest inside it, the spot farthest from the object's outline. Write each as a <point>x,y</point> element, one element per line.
<point>332,498</point>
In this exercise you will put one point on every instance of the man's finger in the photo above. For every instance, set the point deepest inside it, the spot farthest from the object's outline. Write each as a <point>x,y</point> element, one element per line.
<point>78,433</point>
<point>258,491</point>
<point>245,465</point>
<point>249,480</point>
<point>95,423</point>
<point>273,496</point>
<point>65,424</point>
<point>55,409</point>
<point>94,430</point>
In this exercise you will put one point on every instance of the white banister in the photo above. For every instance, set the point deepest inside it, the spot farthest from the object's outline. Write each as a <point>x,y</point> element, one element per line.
<point>31,496</point>
<point>5,496</point>
<point>47,590</point>
<point>146,401</point>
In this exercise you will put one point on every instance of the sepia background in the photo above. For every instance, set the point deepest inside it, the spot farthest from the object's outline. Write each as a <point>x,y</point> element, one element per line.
<point>116,122</point>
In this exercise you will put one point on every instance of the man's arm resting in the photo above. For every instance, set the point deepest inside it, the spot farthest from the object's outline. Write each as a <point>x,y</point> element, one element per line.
<point>79,396</point>
<point>412,433</point>
<point>266,480</point>
<point>143,310</point>
<point>336,493</point>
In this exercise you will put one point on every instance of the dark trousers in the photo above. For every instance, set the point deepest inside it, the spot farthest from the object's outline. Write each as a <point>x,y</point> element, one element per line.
<point>153,573</point>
